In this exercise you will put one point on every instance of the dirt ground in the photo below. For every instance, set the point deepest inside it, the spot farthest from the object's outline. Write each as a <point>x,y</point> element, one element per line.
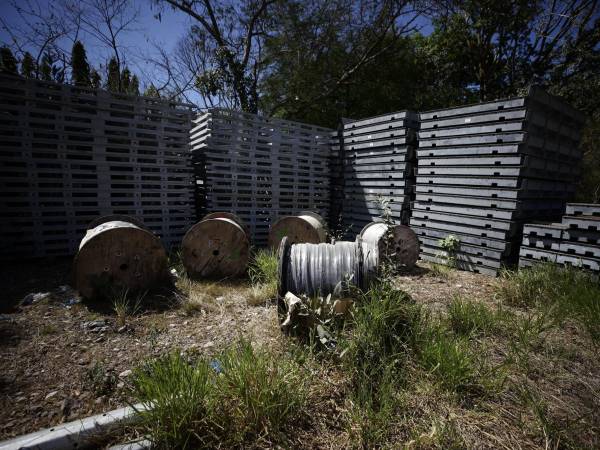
<point>61,359</point>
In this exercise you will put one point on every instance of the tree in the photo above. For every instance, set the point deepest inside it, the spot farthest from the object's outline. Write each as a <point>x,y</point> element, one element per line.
<point>95,79</point>
<point>228,34</point>
<point>45,67</point>
<point>113,76</point>
<point>28,69</point>
<point>509,44</point>
<point>134,86</point>
<point>80,69</point>
<point>8,62</point>
<point>327,58</point>
<point>151,91</point>
<point>106,21</point>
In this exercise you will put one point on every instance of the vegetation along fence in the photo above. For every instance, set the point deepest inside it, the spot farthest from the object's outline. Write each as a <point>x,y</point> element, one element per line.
<point>69,154</point>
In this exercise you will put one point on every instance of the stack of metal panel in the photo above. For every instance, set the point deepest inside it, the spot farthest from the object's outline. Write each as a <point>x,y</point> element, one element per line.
<point>574,241</point>
<point>485,169</point>
<point>69,154</point>
<point>259,168</point>
<point>336,185</point>
<point>375,158</point>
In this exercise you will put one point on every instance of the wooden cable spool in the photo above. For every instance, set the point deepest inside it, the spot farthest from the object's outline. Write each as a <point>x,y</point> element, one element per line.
<point>216,247</point>
<point>403,247</point>
<point>306,227</point>
<point>118,255</point>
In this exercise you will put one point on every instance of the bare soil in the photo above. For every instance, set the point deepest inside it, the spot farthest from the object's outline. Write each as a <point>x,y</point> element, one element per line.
<point>53,364</point>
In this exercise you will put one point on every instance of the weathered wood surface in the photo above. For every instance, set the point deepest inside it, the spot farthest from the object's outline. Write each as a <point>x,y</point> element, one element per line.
<point>118,256</point>
<point>216,247</point>
<point>306,227</point>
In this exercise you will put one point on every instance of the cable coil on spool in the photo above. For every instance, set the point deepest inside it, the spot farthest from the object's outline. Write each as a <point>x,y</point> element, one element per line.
<point>316,269</point>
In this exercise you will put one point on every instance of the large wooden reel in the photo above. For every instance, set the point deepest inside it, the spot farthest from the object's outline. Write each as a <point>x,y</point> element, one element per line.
<point>216,247</point>
<point>118,255</point>
<point>307,227</point>
<point>401,245</point>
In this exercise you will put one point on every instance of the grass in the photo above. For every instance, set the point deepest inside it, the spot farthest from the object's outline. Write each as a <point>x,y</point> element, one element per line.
<point>438,270</point>
<point>194,295</point>
<point>564,292</point>
<point>242,397</point>
<point>397,376</point>
<point>101,380</point>
<point>383,323</point>
<point>470,318</point>
<point>126,307</point>
<point>263,274</point>
<point>449,358</point>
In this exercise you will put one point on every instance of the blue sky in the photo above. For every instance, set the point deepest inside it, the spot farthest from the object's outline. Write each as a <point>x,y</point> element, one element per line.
<point>139,42</point>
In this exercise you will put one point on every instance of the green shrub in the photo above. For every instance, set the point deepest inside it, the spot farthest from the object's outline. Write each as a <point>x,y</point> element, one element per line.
<point>236,399</point>
<point>263,273</point>
<point>383,323</point>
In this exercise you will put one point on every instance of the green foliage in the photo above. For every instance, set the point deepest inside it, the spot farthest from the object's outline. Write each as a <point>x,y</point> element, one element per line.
<point>562,292</point>
<point>8,62</point>
<point>177,395</point>
<point>129,83</point>
<point>447,357</point>
<point>259,392</point>
<point>95,79</point>
<point>263,273</point>
<point>470,318</point>
<point>28,69</point>
<point>100,380</point>
<point>80,69</point>
<point>383,325</point>
<point>113,76</point>
<point>237,399</point>
<point>45,69</point>
<point>151,91</point>
<point>263,267</point>
<point>450,243</point>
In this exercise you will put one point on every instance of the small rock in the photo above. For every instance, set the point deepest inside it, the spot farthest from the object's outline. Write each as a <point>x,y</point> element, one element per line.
<point>172,325</point>
<point>71,301</point>
<point>120,385</point>
<point>50,395</point>
<point>220,298</point>
<point>83,362</point>
<point>209,344</point>
<point>34,297</point>
<point>94,324</point>
<point>125,373</point>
